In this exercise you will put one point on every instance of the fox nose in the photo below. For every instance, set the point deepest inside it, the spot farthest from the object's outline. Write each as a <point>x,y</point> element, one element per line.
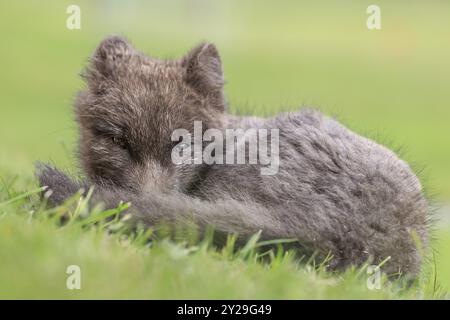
<point>155,178</point>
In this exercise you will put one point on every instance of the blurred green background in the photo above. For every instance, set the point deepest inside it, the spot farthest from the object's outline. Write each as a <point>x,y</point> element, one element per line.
<point>392,85</point>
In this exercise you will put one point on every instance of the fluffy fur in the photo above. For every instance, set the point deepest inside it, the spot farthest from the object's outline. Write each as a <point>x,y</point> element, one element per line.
<point>336,192</point>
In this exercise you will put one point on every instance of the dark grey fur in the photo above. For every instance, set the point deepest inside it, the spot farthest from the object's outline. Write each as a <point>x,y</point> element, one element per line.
<point>335,191</point>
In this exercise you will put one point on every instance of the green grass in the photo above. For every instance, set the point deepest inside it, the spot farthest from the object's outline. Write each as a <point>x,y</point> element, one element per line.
<point>391,85</point>
<point>36,250</point>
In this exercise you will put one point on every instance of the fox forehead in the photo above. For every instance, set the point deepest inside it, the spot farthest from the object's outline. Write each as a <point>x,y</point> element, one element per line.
<point>128,90</point>
<point>144,75</point>
<point>162,69</point>
<point>155,87</point>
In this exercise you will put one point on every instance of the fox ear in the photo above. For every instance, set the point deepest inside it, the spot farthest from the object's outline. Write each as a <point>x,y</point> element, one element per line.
<point>108,59</point>
<point>203,69</point>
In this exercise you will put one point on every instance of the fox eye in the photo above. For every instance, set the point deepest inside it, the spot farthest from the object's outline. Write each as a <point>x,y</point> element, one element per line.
<point>119,142</point>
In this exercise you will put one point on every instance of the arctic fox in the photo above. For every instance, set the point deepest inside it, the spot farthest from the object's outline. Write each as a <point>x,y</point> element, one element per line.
<point>335,192</point>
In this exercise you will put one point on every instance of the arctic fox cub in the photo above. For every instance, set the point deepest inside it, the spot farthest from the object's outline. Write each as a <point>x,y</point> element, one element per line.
<point>334,191</point>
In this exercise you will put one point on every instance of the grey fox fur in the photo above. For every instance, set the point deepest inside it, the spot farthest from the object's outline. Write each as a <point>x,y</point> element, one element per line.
<point>336,192</point>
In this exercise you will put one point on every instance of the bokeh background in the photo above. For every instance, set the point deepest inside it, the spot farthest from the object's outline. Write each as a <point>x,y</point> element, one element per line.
<point>392,85</point>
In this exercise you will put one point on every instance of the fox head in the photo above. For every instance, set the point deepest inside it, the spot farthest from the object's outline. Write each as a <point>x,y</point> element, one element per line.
<point>130,107</point>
